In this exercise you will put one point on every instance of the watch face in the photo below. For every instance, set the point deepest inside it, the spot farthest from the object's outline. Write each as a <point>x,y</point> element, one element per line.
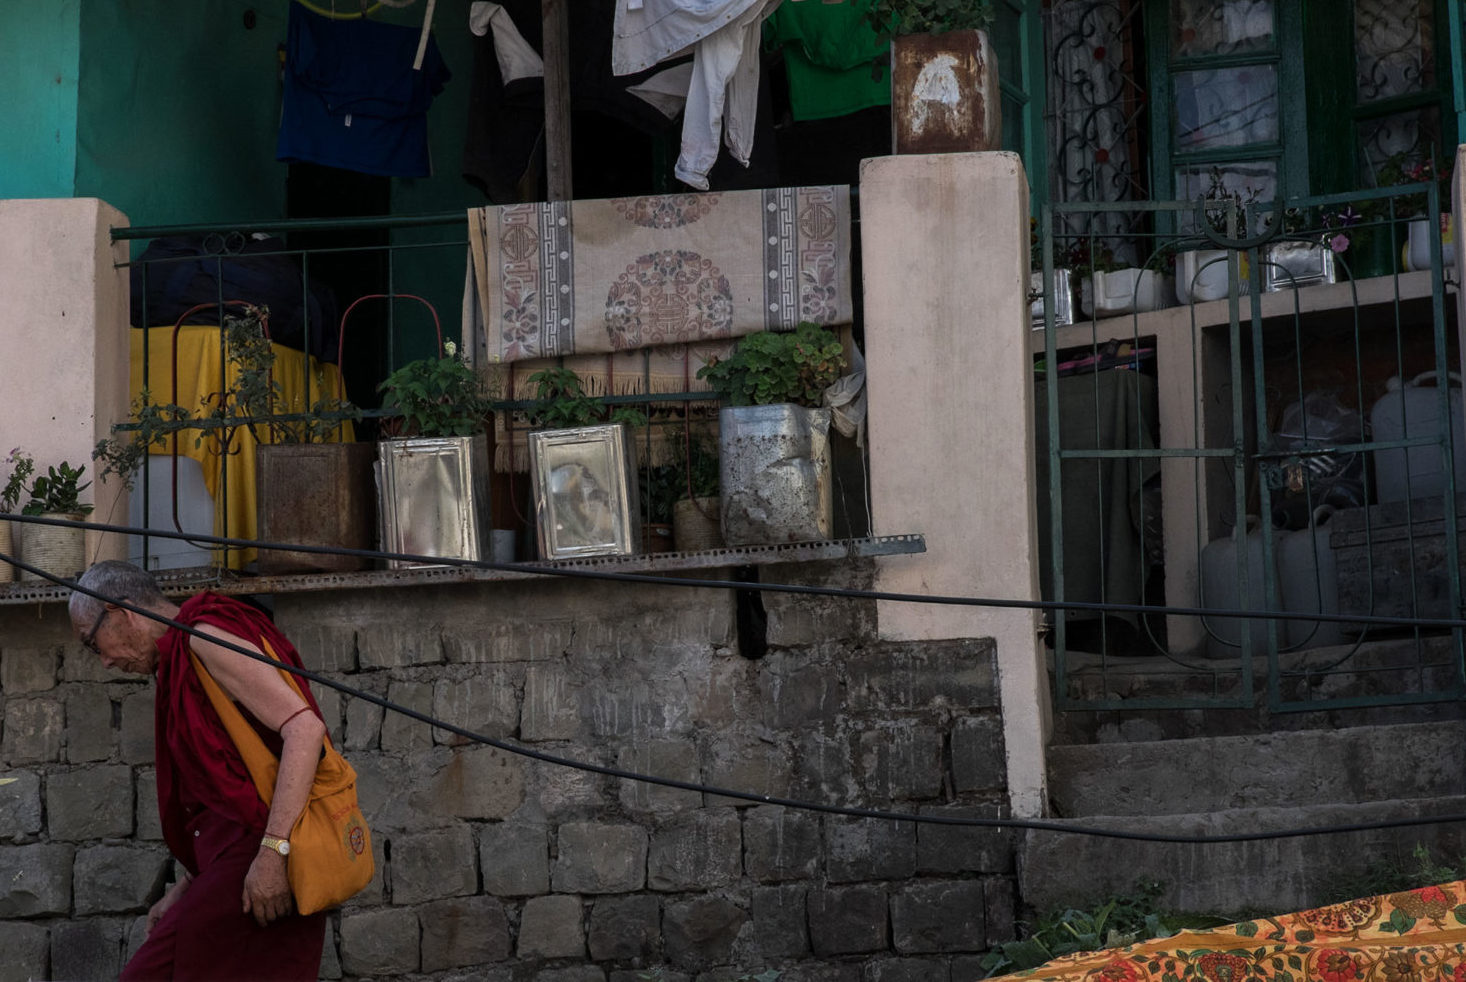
<point>283,848</point>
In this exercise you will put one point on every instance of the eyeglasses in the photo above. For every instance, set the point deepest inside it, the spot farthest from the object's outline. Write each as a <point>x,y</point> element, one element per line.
<point>89,639</point>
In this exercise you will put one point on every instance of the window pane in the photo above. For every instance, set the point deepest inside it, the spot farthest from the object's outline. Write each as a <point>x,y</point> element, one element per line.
<point>1206,27</point>
<point>1249,182</point>
<point>1393,48</point>
<point>1225,107</point>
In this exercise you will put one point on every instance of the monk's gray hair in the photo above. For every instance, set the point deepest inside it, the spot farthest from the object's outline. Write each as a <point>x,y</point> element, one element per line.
<point>114,580</point>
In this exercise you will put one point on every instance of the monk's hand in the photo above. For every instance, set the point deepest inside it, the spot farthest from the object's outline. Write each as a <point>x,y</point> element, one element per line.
<point>156,912</point>
<point>266,888</point>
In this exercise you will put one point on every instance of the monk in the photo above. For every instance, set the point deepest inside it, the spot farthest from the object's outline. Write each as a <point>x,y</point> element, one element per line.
<point>230,915</point>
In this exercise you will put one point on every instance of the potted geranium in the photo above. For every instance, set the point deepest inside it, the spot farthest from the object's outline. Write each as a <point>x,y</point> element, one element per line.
<point>774,447</point>
<point>582,473</point>
<point>21,467</point>
<point>57,549</point>
<point>433,473</point>
<point>944,75</point>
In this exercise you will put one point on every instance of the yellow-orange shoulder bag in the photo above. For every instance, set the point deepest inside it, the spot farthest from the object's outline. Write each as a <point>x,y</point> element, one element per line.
<point>330,857</point>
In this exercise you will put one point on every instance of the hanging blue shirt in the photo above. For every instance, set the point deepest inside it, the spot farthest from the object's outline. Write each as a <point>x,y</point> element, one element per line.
<point>352,99</point>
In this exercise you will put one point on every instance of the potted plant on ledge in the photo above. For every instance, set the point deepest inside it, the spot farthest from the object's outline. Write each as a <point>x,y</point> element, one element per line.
<point>21,467</point>
<point>582,475</point>
<point>774,444</point>
<point>944,75</point>
<point>433,477</point>
<point>57,549</point>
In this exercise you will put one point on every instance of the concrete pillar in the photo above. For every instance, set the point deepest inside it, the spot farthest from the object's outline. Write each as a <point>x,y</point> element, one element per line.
<point>64,324</point>
<point>944,239</point>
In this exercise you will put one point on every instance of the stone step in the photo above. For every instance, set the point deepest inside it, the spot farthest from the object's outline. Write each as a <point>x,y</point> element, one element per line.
<point>1378,671</point>
<point>1309,767</point>
<point>1235,879</point>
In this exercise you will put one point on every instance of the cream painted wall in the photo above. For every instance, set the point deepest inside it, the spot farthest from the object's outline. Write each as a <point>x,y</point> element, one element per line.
<point>63,327</point>
<point>945,258</point>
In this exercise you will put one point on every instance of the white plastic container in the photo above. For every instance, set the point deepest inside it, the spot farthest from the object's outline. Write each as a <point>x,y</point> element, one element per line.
<point>1308,581</point>
<point>1412,411</point>
<point>1417,250</point>
<point>1201,275</point>
<point>1221,571</point>
<point>1124,291</point>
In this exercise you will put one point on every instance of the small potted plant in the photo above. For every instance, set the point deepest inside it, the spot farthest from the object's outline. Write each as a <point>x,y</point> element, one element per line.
<point>774,447</point>
<point>1202,274</point>
<point>22,466</point>
<point>582,475</point>
<point>1302,255</point>
<point>944,75</point>
<point>697,511</point>
<point>57,549</point>
<point>433,472</point>
<point>1109,287</point>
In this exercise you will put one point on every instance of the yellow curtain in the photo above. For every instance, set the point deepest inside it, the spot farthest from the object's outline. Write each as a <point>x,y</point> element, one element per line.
<point>229,475</point>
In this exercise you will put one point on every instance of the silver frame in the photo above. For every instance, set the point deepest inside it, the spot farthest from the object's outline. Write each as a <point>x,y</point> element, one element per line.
<point>585,494</point>
<point>433,497</point>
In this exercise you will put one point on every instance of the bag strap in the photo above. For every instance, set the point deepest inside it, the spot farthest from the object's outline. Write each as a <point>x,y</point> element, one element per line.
<point>263,765</point>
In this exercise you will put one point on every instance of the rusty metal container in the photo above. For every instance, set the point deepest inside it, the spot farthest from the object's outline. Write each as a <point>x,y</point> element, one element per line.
<point>944,93</point>
<point>434,498</point>
<point>314,494</point>
<point>585,493</point>
<point>774,463</point>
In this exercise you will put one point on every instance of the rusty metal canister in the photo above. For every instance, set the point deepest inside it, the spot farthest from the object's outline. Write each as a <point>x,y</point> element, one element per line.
<point>315,494</point>
<point>434,497</point>
<point>774,464</point>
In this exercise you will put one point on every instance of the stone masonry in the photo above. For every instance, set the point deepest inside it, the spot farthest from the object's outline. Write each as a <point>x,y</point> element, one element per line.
<point>495,866</point>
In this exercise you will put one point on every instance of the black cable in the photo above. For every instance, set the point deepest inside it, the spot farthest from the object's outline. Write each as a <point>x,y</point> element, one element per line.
<point>795,588</point>
<point>1037,825</point>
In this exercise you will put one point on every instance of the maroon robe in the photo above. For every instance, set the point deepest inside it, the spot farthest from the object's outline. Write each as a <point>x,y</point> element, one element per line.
<point>213,819</point>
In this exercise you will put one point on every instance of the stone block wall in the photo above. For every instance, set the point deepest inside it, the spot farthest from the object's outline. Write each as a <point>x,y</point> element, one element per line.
<point>492,865</point>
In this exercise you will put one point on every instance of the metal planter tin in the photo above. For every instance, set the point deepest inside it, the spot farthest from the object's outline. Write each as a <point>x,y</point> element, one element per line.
<point>314,494</point>
<point>775,467</point>
<point>585,496</point>
<point>434,497</point>
<point>1291,264</point>
<point>1063,298</point>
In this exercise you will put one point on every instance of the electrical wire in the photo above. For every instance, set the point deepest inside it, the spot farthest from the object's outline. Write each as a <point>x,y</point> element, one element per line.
<point>1035,825</point>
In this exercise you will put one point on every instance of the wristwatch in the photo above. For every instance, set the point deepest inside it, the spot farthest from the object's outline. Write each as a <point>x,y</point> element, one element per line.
<point>282,846</point>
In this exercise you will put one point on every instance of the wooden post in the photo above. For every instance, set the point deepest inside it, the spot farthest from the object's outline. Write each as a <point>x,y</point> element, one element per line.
<point>556,17</point>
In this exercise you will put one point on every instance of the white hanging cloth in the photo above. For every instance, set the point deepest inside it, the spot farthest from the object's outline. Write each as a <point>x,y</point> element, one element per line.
<point>722,95</point>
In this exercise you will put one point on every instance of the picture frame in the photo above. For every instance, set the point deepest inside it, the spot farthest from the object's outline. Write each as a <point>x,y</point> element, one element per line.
<point>584,486</point>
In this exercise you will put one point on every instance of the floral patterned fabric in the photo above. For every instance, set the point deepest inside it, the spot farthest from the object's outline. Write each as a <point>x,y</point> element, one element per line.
<point>1413,936</point>
<point>552,279</point>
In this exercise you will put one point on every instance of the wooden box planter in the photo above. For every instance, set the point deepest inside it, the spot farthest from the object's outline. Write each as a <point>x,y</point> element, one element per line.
<point>315,494</point>
<point>944,93</point>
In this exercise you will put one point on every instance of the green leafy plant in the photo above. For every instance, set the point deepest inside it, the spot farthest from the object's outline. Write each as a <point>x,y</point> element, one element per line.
<point>773,367</point>
<point>1112,923</point>
<point>58,490</point>
<point>22,466</point>
<point>563,403</point>
<point>437,396</point>
<point>660,488</point>
<point>898,17</point>
<point>122,456</point>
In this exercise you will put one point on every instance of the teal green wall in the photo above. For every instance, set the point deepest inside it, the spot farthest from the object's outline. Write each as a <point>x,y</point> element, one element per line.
<point>39,45</point>
<point>179,107</point>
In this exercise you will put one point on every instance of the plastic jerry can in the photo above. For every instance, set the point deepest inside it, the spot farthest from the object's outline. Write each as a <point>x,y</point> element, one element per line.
<point>1412,411</point>
<point>1221,571</point>
<point>1308,582</point>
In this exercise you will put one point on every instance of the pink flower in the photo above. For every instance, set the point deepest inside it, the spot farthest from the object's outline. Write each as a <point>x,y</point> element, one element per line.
<point>1339,242</point>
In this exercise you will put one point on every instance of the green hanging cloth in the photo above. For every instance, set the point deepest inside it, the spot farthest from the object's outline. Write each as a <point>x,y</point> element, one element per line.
<point>836,62</point>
